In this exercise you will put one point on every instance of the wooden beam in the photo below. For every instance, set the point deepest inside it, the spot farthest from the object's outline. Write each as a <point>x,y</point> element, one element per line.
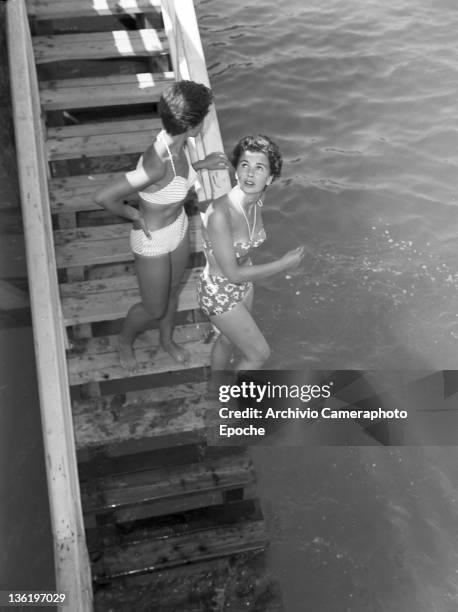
<point>61,9</point>
<point>98,139</point>
<point>99,45</point>
<point>105,91</point>
<point>188,61</point>
<point>180,486</point>
<point>156,555</point>
<point>163,412</point>
<point>71,559</point>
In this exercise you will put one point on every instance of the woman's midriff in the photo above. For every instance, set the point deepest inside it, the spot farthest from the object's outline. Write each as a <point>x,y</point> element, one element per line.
<point>158,216</point>
<point>215,270</point>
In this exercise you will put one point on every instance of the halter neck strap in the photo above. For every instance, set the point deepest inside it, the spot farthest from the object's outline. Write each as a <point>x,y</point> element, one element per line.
<point>170,156</point>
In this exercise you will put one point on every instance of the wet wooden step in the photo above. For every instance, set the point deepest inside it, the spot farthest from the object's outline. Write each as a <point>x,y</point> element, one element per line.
<point>75,193</point>
<point>156,555</point>
<point>146,42</point>
<point>99,139</point>
<point>109,299</point>
<point>89,246</point>
<point>61,9</point>
<point>104,91</point>
<point>172,413</point>
<point>167,490</point>
<point>97,359</point>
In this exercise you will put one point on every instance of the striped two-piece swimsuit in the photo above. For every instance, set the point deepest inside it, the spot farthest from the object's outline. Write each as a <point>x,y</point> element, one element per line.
<point>165,239</point>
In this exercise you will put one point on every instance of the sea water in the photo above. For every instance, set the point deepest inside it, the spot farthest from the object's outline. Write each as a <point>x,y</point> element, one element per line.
<point>361,97</point>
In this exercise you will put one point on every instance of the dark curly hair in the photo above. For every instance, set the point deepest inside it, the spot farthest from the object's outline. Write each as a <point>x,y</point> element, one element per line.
<point>184,105</point>
<point>262,144</point>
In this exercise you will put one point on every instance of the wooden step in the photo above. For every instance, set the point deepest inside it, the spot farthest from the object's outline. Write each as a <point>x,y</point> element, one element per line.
<point>88,246</point>
<point>108,460</point>
<point>61,9</point>
<point>146,42</point>
<point>157,555</point>
<point>176,412</point>
<point>111,298</point>
<point>115,90</point>
<point>75,193</point>
<point>96,359</point>
<point>168,490</point>
<point>99,139</point>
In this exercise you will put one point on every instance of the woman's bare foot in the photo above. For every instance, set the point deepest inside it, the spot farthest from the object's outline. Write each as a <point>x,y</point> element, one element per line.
<point>176,351</point>
<point>126,355</point>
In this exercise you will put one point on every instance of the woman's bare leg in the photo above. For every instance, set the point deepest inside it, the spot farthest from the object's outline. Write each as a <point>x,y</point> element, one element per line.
<point>179,259</point>
<point>239,328</point>
<point>153,274</point>
<point>159,280</point>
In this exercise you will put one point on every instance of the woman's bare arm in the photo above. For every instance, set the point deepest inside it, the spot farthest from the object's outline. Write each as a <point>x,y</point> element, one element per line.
<point>220,234</point>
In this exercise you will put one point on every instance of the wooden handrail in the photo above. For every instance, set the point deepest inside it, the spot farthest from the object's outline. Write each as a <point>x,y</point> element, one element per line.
<point>72,567</point>
<point>188,61</point>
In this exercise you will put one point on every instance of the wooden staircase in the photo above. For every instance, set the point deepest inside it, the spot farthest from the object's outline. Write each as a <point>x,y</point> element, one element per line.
<point>154,495</point>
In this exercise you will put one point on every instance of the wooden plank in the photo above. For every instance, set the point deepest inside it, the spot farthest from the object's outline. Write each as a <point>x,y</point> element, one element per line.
<point>105,244</point>
<point>154,413</point>
<point>188,60</point>
<point>183,484</point>
<point>75,193</point>
<point>99,45</point>
<point>98,360</point>
<point>157,555</point>
<point>61,9</point>
<point>97,139</point>
<point>141,88</point>
<point>111,298</point>
<point>72,570</point>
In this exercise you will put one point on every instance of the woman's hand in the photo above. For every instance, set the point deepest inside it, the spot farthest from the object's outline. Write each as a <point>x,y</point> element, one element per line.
<point>213,161</point>
<point>291,259</point>
<point>140,224</point>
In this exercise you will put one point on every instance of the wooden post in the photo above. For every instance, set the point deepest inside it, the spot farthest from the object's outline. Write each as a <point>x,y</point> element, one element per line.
<point>188,61</point>
<point>70,552</point>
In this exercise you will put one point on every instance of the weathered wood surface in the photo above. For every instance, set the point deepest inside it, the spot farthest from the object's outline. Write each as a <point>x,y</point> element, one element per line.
<point>55,9</point>
<point>111,298</point>
<point>106,244</point>
<point>157,555</point>
<point>99,45</point>
<point>72,570</point>
<point>167,490</point>
<point>103,91</point>
<point>188,60</point>
<point>176,411</point>
<point>96,359</point>
<point>75,193</point>
<point>71,143</point>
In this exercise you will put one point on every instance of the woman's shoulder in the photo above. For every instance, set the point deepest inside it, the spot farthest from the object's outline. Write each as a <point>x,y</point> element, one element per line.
<point>153,164</point>
<point>218,212</point>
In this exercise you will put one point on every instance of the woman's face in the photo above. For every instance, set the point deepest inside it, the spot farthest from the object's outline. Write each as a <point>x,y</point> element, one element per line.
<point>253,172</point>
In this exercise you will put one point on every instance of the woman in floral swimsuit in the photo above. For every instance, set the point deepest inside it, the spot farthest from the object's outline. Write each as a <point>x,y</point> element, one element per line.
<point>232,226</point>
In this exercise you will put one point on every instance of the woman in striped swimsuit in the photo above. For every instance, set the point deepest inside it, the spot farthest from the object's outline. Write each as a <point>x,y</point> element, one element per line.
<point>159,237</point>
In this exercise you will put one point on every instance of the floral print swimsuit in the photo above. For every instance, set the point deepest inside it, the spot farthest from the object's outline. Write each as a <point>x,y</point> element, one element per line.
<point>216,293</point>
